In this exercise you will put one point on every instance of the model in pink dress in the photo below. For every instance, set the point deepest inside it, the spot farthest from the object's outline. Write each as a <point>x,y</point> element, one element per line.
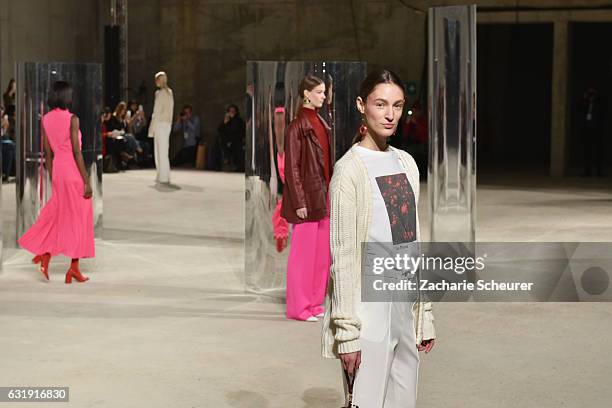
<point>65,224</point>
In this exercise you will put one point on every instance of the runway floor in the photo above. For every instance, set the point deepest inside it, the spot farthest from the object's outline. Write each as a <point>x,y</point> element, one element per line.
<point>164,321</point>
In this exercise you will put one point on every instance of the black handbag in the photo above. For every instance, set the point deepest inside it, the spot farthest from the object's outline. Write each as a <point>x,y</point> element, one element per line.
<point>350,381</point>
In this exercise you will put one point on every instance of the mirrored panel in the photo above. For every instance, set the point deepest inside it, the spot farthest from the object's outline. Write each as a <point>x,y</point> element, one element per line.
<point>452,123</point>
<point>272,102</point>
<point>33,184</point>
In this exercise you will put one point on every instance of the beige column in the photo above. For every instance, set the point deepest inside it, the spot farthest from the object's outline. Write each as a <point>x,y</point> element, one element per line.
<point>559,102</point>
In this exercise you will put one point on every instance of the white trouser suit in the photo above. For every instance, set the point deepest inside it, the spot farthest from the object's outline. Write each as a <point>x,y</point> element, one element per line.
<point>161,125</point>
<point>161,135</point>
<point>388,374</point>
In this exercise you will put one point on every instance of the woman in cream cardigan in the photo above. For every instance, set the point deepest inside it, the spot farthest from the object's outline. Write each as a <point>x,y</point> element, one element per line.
<point>373,193</point>
<point>161,125</point>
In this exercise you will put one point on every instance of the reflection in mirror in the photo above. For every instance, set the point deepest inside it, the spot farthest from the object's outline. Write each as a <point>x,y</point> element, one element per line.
<point>271,103</point>
<point>452,140</point>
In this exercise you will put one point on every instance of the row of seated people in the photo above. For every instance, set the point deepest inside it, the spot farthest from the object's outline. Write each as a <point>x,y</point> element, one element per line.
<point>124,137</point>
<point>126,142</point>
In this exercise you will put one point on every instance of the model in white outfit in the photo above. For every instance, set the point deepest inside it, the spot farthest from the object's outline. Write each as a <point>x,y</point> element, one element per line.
<point>161,125</point>
<point>377,342</point>
<point>389,357</point>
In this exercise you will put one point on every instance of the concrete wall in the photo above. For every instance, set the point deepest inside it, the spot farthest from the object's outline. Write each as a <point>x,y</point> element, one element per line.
<point>203,45</point>
<point>50,30</point>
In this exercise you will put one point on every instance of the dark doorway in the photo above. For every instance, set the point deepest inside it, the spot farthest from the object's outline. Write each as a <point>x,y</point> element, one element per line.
<point>590,66</point>
<point>514,95</point>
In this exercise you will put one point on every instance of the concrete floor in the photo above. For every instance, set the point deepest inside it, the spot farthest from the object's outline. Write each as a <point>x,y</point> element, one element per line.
<point>164,321</point>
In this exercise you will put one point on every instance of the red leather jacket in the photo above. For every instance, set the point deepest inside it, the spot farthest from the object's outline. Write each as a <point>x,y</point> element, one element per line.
<point>305,184</point>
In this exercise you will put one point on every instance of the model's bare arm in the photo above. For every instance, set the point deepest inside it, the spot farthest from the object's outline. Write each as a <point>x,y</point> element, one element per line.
<point>48,153</point>
<point>78,155</point>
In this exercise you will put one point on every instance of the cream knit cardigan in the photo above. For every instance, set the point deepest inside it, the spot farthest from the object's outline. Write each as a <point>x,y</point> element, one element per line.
<point>350,217</point>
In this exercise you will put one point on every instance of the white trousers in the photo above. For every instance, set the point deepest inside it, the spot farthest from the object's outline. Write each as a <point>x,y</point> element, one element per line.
<point>388,374</point>
<point>161,134</point>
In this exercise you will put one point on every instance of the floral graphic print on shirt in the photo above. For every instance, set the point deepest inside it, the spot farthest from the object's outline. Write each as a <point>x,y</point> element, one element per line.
<point>401,209</point>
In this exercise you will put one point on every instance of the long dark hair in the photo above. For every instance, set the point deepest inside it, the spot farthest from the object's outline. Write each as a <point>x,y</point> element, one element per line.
<point>10,86</point>
<point>374,78</point>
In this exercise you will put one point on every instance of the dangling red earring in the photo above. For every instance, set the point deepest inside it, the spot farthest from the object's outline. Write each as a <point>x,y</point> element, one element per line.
<point>363,129</point>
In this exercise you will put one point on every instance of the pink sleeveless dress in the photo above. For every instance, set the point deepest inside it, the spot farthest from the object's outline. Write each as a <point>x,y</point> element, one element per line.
<point>65,224</point>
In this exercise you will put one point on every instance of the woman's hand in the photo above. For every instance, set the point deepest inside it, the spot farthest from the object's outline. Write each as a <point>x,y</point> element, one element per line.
<point>88,190</point>
<point>351,361</point>
<point>302,213</point>
<point>426,345</point>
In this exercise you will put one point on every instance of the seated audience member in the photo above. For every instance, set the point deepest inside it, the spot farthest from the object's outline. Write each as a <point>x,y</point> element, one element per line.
<point>137,126</point>
<point>118,125</point>
<point>116,144</point>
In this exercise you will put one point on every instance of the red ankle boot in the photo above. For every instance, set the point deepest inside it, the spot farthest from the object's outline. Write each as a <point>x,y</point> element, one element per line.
<point>43,260</point>
<point>75,273</point>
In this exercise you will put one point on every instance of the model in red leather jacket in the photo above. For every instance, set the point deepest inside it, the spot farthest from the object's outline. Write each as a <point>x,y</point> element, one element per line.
<point>306,184</point>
